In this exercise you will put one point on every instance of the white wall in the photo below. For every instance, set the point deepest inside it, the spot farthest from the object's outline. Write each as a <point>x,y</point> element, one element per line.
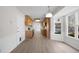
<point>11,27</point>
<point>64,12</point>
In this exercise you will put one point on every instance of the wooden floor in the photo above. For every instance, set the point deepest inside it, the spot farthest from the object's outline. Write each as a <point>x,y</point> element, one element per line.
<point>40,44</point>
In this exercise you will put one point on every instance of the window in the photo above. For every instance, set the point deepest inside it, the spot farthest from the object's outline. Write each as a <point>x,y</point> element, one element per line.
<point>71,25</point>
<point>78,31</point>
<point>78,25</point>
<point>58,27</point>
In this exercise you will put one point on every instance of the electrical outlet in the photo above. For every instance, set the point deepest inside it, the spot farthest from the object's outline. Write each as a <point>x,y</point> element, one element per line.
<point>20,39</point>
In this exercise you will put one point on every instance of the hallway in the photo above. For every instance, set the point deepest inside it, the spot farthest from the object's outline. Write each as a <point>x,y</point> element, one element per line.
<point>19,28</point>
<point>40,44</point>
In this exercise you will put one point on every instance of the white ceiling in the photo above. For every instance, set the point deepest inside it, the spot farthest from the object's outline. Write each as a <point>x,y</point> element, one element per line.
<point>38,11</point>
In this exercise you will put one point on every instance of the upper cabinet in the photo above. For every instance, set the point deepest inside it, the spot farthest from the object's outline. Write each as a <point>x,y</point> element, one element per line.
<point>28,20</point>
<point>46,22</point>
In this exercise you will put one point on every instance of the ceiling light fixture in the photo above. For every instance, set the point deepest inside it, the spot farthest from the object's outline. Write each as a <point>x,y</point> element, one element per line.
<point>37,19</point>
<point>49,14</point>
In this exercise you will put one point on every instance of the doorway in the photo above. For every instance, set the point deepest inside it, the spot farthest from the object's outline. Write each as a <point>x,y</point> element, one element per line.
<point>37,27</point>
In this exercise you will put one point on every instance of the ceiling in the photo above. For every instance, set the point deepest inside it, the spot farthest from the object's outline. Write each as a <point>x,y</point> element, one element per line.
<point>39,11</point>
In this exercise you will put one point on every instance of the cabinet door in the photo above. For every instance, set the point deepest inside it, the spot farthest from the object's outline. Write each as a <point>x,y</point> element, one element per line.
<point>28,20</point>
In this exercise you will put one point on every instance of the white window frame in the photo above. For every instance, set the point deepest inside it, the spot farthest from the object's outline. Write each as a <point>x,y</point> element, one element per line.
<point>55,25</point>
<point>76,24</point>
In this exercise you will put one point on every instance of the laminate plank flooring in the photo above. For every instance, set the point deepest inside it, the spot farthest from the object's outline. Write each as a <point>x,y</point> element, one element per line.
<point>40,44</point>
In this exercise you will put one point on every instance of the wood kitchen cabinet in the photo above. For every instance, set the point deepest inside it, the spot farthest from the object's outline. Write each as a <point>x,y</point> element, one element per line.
<point>28,20</point>
<point>29,34</point>
<point>29,29</point>
<point>46,27</point>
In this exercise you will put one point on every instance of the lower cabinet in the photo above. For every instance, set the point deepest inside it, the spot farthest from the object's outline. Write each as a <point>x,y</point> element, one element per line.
<point>29,34</point>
